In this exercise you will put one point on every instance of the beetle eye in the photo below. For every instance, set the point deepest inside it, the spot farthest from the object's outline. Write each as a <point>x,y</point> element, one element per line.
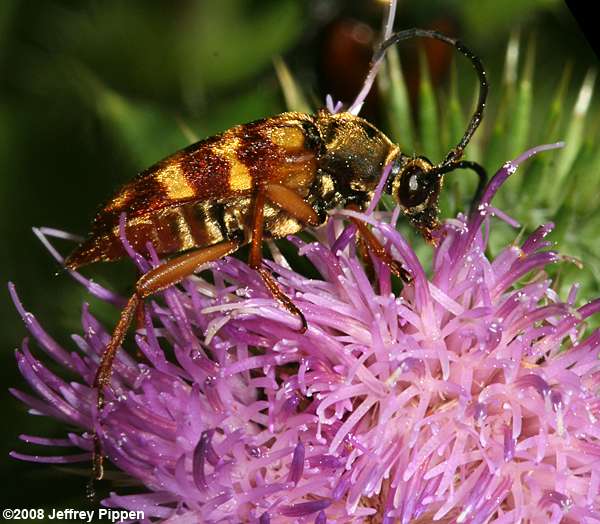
<point>414,188</point>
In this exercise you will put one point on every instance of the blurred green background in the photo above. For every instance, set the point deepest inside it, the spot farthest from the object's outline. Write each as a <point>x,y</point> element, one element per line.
<point>91,92</point>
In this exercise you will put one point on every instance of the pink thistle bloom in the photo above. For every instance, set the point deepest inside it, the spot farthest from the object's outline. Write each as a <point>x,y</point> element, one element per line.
<point>472,396</point>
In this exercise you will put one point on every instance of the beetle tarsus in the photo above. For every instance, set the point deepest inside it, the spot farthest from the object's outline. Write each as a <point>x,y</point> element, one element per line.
<point>286,301</point>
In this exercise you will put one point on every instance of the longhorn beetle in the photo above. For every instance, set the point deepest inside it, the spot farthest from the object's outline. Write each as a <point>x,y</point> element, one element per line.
<point>269,178</point>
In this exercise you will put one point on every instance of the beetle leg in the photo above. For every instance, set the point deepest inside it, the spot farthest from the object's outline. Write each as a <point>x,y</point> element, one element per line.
<point>292,203</point>
<point>151,282</point>
<point>363,251</point>
<point>287,302</point>
<point>255,258</point>
<point>257,228</point>
<point>373,244</point>
<point>140,316</point>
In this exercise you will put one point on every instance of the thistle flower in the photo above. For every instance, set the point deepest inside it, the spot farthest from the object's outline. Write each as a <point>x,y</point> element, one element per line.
<point>472,395</point>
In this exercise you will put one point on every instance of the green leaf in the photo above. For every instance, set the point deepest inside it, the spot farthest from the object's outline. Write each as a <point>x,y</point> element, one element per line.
<point>398,111</point>
<point>519,120</point>
<point>428,115</point>
<point>146,133</point>
<point>456,118</point>
<point>292,92</point>
<point>214,51</point>
<point>496,152</point>
<point>573,140</point>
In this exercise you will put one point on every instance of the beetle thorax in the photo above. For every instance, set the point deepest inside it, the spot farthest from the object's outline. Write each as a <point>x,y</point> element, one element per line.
<point>355,151</point>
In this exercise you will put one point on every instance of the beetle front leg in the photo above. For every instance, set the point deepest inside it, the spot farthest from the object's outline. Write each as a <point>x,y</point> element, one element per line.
<point>292,203</point>
<point>375,247</point>
<point>368,239</point>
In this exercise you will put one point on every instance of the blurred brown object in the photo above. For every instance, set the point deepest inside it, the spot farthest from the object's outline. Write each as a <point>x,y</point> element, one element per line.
<point>347,47</point>
<point>439,57</point>
<point>345,56</point>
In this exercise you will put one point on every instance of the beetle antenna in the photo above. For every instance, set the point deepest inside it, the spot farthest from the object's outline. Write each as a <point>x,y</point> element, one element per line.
<point>478,169</point>
<point>456,153</point>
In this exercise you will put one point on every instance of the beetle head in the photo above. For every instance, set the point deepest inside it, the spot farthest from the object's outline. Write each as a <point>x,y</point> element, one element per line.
<point>415,185</point>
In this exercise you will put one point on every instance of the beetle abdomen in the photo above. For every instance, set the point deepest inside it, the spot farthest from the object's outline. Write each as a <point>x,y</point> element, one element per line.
<point>169,230</point>
<point>202,194</point>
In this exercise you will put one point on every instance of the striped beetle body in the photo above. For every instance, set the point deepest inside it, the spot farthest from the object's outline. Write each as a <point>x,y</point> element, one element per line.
<point>203,194</point>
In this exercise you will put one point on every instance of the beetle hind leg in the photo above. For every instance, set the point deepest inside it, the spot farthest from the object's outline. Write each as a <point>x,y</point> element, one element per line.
<point>155,280</point>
